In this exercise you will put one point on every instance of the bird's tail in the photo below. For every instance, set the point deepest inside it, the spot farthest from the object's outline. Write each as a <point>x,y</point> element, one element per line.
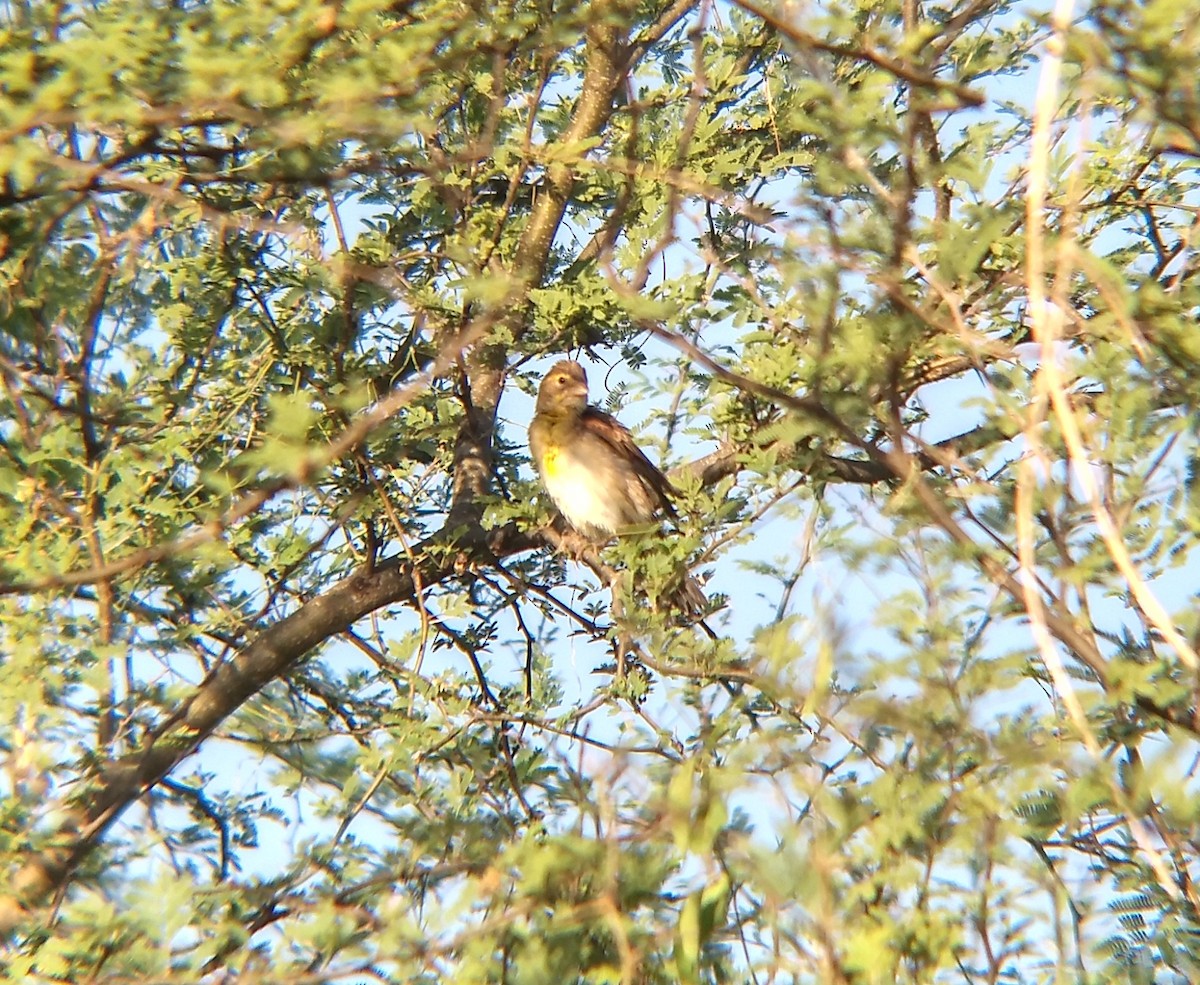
<point>685,596</point>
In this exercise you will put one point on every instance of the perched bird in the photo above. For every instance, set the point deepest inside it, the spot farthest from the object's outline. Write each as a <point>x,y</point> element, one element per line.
<point>594,471</point>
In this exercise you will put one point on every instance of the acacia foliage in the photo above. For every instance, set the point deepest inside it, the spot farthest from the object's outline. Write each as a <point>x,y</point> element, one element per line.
<point>297,688</point>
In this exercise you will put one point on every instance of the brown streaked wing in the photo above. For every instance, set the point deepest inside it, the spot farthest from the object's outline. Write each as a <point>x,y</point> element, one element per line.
<point>617,436</point>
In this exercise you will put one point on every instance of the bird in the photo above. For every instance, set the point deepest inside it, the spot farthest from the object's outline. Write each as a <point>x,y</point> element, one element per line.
<point>593,470</point>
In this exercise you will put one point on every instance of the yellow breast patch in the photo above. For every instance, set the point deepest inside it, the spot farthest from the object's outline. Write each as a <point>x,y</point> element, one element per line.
<point>551,462</point>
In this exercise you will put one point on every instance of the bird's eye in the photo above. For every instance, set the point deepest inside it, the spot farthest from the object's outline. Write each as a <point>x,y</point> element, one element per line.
<point>561,378</point>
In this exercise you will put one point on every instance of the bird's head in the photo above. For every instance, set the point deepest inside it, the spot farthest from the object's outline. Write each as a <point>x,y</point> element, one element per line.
<point>564,389</point>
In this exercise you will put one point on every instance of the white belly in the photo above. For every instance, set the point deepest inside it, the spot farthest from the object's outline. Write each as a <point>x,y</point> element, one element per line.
<point>576,494</point>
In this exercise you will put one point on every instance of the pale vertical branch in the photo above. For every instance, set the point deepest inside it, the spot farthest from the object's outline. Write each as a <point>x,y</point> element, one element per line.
<point>1050,392</point>
<point>1047,320</point>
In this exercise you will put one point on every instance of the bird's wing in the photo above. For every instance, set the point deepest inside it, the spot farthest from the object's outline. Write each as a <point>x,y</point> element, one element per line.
<point>617,436</point>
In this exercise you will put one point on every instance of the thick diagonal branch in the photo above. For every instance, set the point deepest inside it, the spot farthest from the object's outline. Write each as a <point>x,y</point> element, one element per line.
<point>102,798</point>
